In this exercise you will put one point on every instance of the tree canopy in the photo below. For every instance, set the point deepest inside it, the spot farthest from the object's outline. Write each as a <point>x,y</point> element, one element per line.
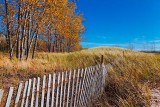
<point>26,23</point>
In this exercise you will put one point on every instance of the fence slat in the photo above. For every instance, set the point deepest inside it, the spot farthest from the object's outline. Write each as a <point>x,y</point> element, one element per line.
<point>37,95</point>
<point>64,92</point>
<point>28,92</point>
<point>1,94</point>
<point>33,91</point>
<point>100,80</point>
<point>97,80</point>
<point>72,92</point>
<point>53,89</point>
<point>48,91</point>
<point>9,97</point>
<point>93,82</point>
<point>82,90</point>
<point>86,89</point>
<point>104,74</point>
<point>92,95</point>
<point>80,86</point>
<point>24,93</point>
<point>43,90</point>
<point>76,91</point>
<point>61,93</point>
<point>18,94</point>
<point>58,85</point>
<point>69,82</point>
<point>91,86</point>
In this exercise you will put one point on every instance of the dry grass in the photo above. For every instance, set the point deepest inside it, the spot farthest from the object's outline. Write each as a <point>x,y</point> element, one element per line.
<point>13,71</point>
<point>130,78</point>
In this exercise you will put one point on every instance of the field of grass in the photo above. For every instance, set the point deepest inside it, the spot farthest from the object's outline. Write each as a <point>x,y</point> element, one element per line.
<point>130,79</point>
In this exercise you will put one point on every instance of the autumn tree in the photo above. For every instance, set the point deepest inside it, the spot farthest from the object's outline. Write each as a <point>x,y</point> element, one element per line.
<point>52,21</point>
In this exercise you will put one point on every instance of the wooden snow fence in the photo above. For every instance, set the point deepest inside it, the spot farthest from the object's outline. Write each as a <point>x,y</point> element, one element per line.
<point>77,88</point>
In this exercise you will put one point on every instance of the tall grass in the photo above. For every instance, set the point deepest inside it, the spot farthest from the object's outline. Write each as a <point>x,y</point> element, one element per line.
<point>131,77</point>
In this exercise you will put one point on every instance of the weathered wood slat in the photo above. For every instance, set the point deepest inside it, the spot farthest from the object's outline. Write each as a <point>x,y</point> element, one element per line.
<point>43,90</point>
<point>28,92</point>
<point>48,91</point>
<point>72,92</point>
<point>69,82</point>
<point>58,85</point>
<point>81,100</point>
<point>100,80</point>
<point>37,94</point>
<point>53,89</point>
<point>89,88</point>
<point>33,91</point>
<point>82,90</point>
<point>61,93</point>
<point>87,98</point>
<point>18,94</point>
<point>1,94</point>
<point>64,92</point>
<point>104,74</point>
<point>76,91</point>
<point>91,85</point>
<point>80,87</point>
<point>9,97</point>
<point>24,93</point>
<point>97,80</point>
<point>94,81</point>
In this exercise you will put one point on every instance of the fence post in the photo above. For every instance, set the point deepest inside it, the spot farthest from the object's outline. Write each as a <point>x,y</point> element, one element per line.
<point>103,73</point>
<point>102,59</point>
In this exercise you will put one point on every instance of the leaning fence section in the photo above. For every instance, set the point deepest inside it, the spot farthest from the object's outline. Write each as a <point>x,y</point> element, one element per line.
<point>77,88</point>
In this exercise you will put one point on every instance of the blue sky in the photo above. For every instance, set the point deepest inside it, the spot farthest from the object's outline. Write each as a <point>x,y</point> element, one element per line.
<point>121,22</point>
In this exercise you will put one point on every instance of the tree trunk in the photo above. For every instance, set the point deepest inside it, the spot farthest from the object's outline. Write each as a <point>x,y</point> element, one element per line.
<point>8,37</point>
<point>18,34</point>
<point>35,46</point>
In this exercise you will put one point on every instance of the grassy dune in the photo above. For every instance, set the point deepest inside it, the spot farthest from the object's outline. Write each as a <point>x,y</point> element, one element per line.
<point>11,72</point>
<point>130,79</point>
